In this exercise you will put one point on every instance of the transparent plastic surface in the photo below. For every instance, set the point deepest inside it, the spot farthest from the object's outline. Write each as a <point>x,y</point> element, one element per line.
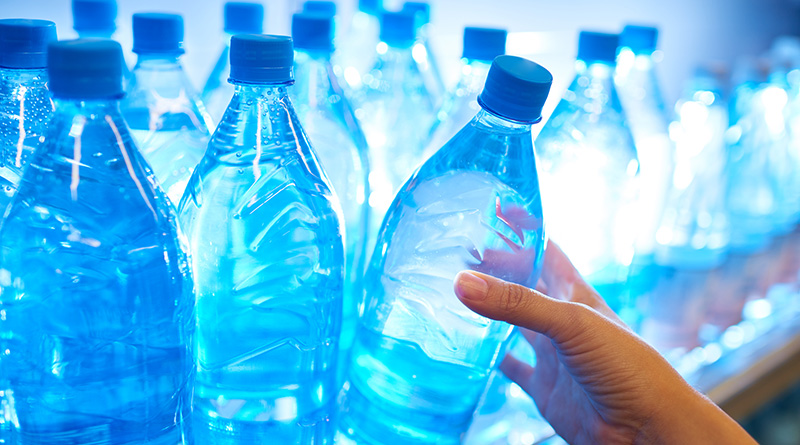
<point>459,105</point>
<point>25,109</point>
<point>336,137</point>
<point>428,66</point>
<point>167,120</point>
<point>640,95</point>
<point>758,163</point>
<point>694,230</point>
<point>589,174</point>
<point>421,358</point>
<point>96,294</point>
<point>217,91</point>
<point>355,54</point>
<point>268,259</point>
<point>395,110</point>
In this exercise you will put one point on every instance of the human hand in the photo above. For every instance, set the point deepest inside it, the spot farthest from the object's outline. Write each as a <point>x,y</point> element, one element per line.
<point>595,381</point>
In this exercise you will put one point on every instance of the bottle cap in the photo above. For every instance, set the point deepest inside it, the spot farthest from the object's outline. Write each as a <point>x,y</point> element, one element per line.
<point>422,10</point>
<point>640,39</point>
<point>94,16</point>
<point>244,18</point>
<point>398,29</point>
<point>157,33</point>
<point>516,89</point>
<point>23,42</point>
<point>320,7</point>
<point>597,47</point>
<point>312,31</point>
<point>85,69</point>
<point>484,43</point>
<point>372,7</point>
<point>259,58</point>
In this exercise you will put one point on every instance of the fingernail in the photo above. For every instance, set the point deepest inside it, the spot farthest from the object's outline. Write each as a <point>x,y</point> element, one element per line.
<point>471,287</point>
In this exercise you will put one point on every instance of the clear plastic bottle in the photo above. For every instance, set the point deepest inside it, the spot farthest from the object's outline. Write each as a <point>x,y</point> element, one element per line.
<point>25,105</point>
<point>167,119</point>
<point>96,19</point>
<point>355,55</point>
<point>325,8</point>
<point>481,46</point>
<point>395,110</point>
<point>755,136</point>
<point>96,293</point>
<point>330,123</point>
<point>590,171</point>
<point>268,257</point>
<point>640,95</point>
<point>694,231</point>
<point>421,358</point>
<point>239,18</point>
<point>423,50</point>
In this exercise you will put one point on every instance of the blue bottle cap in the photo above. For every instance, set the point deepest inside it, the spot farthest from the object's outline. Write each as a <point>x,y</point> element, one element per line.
<point>319,7</point>
<point>516,89</point>
<point>23,42</point>
<point>244,18</point>
<point>85,69</point>
<point>259,59</point>
<point>398,28</point>
<point>597,47</point>
<point>484,43</point>
<point>421,9</point>
<point>312,32</point>
<point>157,33</point>
<point>640,39</point>
<point>372,7</point>
<point>94,16</point>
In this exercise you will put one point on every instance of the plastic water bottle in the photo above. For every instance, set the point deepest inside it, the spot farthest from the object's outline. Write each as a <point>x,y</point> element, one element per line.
<point>332,128</point>
<point>590,171</point>
<point>640,95</point>
<point>421,358</point>
<point>481,46</point>
<point>694,231</point>
<point>756,134</point>
<point>96,19</point>
<point>268,258</point>
<point>423,50</point>
<point>240,18</point>
<point>325,8</point>
<point>356,53</point>
<point>25,105</point>
<point>96,293</point>
<point>395,110</point>
<point>167,119</point>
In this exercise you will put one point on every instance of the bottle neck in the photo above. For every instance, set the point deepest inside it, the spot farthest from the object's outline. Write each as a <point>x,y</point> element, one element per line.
<point>90,109</point>
<point>29,78</point>
<point>498,124</point>
<point>96,34</point>
<point>158,62</point>
<point>473,75</point>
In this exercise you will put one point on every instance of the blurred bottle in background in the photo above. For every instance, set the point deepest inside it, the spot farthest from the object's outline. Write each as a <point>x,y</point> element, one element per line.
<point>356,51</point>
<point>167,119</point>
<point>97,302</point>
<point>640,94</point>
<point>269,261</point>
<point>239,18</point>
<point>96,19</point>
<point>395,110</point>
<point>421,358</point>
<point>423,50</point>
<point>324,8</point>
<point>337,139</point>
<point>481,46</point>
<point>25,105</point>
<point>590,172</point>
<point>756,136</point>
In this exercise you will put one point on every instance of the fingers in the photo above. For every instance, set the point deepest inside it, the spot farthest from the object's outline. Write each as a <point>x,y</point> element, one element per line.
<point>563,281</point>
<point>518,305</point>
<point>518,371</point>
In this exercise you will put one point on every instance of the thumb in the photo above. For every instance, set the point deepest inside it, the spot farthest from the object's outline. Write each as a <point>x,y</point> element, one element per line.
<point>500,300</point>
